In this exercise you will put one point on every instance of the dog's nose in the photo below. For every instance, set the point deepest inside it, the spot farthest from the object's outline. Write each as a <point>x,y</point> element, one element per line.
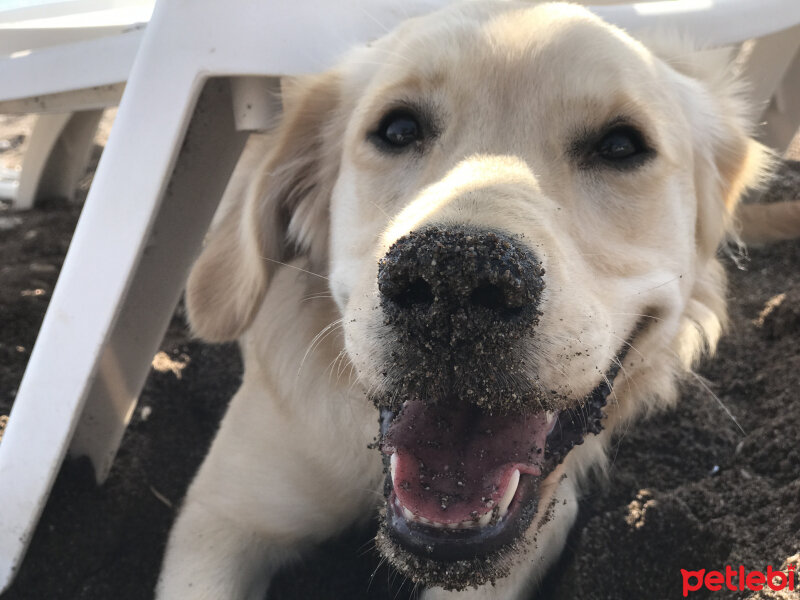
<point>460,281</point>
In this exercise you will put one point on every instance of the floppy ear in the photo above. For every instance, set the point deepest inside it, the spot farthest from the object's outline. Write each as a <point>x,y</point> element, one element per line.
<point>728,161</point>
<point>269,214</point>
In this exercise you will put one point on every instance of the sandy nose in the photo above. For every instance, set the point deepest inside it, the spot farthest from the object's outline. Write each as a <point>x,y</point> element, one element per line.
<point>440,276</point>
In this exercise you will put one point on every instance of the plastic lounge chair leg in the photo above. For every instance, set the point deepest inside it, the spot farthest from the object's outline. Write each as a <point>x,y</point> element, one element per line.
<point>68,160</point>
<point>783,114</point>
<point>46,132</point>
<point>211,149</point>
<point>57,155</point>
<point>9,184</point>
<point>768,73</point>
<point>43,418</point>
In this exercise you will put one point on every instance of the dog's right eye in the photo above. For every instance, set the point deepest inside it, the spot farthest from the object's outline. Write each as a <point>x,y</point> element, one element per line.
<point>397,130</point>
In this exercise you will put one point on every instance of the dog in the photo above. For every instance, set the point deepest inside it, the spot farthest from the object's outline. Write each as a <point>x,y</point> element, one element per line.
<point>465,258</point>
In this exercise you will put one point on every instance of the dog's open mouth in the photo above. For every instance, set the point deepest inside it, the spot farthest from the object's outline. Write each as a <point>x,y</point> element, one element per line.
<point>460,480</point>
<point>463,484</point>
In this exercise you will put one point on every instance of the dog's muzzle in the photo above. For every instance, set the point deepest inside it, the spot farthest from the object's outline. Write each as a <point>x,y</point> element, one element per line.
<point>468,433</point>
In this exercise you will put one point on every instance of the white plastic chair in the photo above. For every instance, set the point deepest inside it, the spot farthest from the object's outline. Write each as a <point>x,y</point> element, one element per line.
<point>198,84</point>
<point>66,60</point>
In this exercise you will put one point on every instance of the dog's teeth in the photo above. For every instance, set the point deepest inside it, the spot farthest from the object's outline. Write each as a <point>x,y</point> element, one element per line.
<point>505,501</point>
<point>393,466</point>
<point>453,525</point>
<point>437,524</point>
<point>484,520</point>
<point>552,419</point>
<point>424,520</point>
<point>408,514</point>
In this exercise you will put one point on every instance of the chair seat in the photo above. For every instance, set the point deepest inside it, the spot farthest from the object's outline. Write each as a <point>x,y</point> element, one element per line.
<point>68,60</point>
<point>55,24</point>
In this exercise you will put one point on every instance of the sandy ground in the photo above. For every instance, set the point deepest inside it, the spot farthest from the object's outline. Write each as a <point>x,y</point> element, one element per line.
<point>687,489</point>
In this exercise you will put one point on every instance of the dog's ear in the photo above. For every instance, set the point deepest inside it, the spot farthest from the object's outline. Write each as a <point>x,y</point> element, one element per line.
<point>275,209</point>
<point>728,161</point>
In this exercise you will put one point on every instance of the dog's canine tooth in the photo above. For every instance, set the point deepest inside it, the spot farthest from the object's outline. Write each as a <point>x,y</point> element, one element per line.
<point>484,520</point>
<point>424,520</point>
<point>550,415</point>
<point>408,514</point>
<point>505,501</point>
<point>393,466</point>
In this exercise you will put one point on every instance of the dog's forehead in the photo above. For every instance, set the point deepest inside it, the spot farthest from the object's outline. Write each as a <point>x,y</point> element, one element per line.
<point>533,50</point>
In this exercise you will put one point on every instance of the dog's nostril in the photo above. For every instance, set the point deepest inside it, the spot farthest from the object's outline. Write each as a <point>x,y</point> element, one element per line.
<point>492,297</point>
<point>417,293</point>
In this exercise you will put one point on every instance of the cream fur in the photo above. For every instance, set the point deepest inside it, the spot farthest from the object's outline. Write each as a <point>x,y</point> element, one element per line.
<point>511,84</point>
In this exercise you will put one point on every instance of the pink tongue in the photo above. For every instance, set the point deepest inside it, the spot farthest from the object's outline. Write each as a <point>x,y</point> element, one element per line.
<point>454,462</point>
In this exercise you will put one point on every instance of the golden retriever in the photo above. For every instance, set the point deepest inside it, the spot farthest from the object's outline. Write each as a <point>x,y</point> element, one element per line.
<point>466,257</point>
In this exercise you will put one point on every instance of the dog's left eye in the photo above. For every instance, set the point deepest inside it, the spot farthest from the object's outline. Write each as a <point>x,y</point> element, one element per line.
<point>622,146</point>
<point>397,130</point>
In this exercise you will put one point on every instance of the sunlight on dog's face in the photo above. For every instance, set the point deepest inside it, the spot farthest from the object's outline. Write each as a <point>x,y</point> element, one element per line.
<point>563,139</point>
<point>544,126</point>
<point>522,207</point>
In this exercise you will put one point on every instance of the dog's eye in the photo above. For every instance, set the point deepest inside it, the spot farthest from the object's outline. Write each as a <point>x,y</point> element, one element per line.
<point>622,146</point>
<point>398,130</point>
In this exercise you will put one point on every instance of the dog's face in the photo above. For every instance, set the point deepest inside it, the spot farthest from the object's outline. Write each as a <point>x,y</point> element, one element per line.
<point>518,208</point>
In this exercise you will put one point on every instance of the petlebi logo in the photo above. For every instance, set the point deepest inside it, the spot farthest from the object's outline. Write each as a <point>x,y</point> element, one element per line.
<point>738,580</point>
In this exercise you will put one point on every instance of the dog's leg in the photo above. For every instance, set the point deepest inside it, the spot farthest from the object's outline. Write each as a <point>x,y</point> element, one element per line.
<point>280,477</point>
<point>212,556</point>
<point>544,548</point>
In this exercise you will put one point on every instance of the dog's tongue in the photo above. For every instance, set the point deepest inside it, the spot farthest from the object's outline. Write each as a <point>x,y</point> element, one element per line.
<point>454,463</point>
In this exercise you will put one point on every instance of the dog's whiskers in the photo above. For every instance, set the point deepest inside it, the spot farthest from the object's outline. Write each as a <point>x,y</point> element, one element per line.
<point>655,287</point>
<point>655,318</point>
<point>610,387</point>
<point>318,340</point>
<point>400,589</point>
<point>557,365</point>
<point>283,264</point>
<point>354,377</point>
<point>343,359</point>
<point>372,18</point>
<point>377,568</point>
<point>703,382</point>
<point>366,547</point>
<point>628,379</point>
<point>631,346</point>
<point>380,208</point>
<point>330,368</point>
<point>320,296</point>
<point>340,359</point>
